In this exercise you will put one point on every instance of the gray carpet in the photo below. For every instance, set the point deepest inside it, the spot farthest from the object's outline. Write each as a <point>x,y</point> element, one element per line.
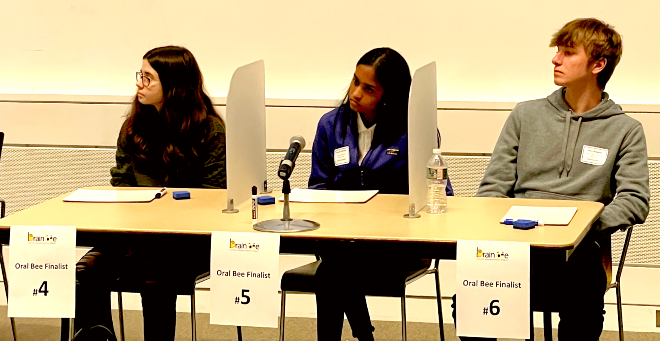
<point>297,329</point>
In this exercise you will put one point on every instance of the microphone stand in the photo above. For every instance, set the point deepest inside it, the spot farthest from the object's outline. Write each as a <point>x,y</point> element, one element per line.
<point>286,224</point>
<point>286,189</point>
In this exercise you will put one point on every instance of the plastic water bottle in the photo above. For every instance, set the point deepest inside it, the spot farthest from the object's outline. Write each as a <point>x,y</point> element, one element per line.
<point>436,180</point>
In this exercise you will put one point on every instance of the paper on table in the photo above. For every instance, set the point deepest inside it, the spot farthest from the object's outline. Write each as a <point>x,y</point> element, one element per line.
<point>92,195</point>
<point>549,215</point>
<point>322,195</point>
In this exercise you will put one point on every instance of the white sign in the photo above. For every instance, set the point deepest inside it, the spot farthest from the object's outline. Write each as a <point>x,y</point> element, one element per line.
<point>492,289</point>
<point>42,267</point>
<point>245,279</point>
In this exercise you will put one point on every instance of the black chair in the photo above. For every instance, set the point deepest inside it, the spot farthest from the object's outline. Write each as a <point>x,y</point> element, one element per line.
<point>617,280</point>
<point>2,259</point>
<point>301,280</point>
<point>616,284</point>
<point>4,272</point>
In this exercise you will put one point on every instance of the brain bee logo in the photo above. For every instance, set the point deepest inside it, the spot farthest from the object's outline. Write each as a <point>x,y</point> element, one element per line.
<point>486,255</point>
<point>39,239</point>
<point>234,246</point>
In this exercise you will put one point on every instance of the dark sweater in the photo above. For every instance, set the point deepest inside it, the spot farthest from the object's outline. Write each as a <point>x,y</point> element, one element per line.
<point>209,170</point>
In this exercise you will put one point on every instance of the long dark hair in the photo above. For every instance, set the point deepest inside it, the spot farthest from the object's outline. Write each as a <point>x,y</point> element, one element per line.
<point>393,74</point>
<point>169,140</point>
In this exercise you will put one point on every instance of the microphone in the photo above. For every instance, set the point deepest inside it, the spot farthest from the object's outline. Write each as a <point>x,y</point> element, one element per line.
<point>296,144</point>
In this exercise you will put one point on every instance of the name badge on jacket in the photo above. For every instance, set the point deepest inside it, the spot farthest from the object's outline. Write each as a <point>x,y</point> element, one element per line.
<point>392,151</point>
<point>593,155</point>
<point>342,157</point>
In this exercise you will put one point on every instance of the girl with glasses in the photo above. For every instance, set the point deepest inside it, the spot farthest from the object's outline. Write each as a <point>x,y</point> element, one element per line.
<point>172,137</point>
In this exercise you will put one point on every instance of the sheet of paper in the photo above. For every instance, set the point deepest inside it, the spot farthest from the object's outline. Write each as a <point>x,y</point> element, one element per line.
<point>549,215</point>
<point>91,195</point>
<point>322,195</point>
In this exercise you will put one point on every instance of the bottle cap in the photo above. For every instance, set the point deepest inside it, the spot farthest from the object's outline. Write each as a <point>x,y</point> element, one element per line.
<point>436,151</point>
<point>254,190</point>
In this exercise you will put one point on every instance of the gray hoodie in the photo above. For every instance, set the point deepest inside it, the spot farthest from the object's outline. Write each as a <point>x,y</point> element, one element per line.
<point>546,151</point>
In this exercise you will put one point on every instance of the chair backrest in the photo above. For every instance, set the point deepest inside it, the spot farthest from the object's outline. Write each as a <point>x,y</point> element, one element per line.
<point>624,251</point>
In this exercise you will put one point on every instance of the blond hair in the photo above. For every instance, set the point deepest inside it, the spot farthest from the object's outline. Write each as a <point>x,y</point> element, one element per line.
<point>599,39</point>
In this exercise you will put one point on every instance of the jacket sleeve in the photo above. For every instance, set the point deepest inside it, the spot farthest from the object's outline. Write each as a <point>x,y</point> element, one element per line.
<point>215,166</point>
<point>631,175</point>
<point>122,174</point>
<point>322,159</point>
<point>449,189</point>
<point>501,174</point>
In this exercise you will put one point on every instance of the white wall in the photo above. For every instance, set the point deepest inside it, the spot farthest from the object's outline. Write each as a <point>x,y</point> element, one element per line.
<point>486,50</point>
<point>76,121</point>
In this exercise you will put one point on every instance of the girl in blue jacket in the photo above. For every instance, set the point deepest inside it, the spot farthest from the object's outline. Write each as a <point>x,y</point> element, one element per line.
<point>362,145</point>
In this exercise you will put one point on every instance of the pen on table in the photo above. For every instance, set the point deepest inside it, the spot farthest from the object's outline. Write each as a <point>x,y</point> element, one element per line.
<point>161,192</point>
<point>511,221</point>
<point>254,205</point>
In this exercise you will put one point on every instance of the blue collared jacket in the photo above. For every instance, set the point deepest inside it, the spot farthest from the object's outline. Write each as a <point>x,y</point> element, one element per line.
<point>384,168</point>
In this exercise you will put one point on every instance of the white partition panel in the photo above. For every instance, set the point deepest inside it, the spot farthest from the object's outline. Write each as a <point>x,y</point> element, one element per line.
<point>246,132</point>
<point>422,136</point>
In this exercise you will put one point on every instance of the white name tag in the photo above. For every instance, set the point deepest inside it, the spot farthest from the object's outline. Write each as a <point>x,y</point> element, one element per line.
<point>42,276</point>
<point>492,289</point>
<point>342,157</point>
<point>245,279</point>
<point>593,155</point>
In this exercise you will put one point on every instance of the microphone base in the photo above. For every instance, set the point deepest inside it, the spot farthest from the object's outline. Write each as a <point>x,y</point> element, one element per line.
<point>279,225</point>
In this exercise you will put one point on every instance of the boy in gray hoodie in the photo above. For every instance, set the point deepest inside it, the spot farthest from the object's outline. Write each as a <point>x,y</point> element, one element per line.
<point>577,144</point>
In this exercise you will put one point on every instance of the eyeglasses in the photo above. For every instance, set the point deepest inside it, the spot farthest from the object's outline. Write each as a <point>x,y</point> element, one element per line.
<point>140,77</point>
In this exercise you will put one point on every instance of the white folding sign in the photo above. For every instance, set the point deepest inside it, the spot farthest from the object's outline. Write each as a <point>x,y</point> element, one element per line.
<point>245,279</point>
<point>42,268</point>
<point>492,289</point>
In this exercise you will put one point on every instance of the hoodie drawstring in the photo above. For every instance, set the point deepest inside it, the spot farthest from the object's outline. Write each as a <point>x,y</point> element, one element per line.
<point>567,125</point>
<point>571,151</point>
